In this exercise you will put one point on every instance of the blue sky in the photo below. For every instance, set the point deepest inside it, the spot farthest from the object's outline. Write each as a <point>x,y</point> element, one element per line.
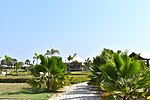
<point>73,26</point>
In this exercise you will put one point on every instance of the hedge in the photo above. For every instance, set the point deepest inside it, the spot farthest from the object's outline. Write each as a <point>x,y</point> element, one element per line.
<point>14,80</point>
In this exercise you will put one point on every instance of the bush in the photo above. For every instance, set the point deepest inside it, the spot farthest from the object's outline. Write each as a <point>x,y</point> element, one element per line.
<point>121,77</point>
<point>54,73</point>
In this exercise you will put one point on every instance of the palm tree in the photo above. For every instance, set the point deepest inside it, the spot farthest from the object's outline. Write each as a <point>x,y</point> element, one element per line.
<point>14,62</point>
<point>51,52</point>
<point>75,54</point>
<point>88,63</point>
<point>54,73</point>
<point>8,61</point>
<point>69,58</point>
<point>3,62</point>
<point>36,57</point>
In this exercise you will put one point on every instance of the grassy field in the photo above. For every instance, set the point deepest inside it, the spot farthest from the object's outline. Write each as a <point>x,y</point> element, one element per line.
<point>79,76</point>
<point>22,91</point>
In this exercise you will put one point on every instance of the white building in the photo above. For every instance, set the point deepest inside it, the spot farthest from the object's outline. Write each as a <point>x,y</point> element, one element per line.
<point>76,63</point>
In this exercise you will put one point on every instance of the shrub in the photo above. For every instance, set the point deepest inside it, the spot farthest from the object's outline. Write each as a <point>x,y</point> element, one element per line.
<point>122,77</point>
<point>53,75</point>
<point>14,80</point>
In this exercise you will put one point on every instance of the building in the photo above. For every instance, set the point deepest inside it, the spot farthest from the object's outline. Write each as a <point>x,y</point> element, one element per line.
<point>76,64</point>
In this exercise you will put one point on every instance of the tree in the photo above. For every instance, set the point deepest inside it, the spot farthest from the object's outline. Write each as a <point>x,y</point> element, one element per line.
<point>69,58</point>
<point>8,61</point>
<point>51,52</point>
<point>54,73</point>
<point>124,78</point>
<point>14,62</point>
<point>18,66</point>
<point>3,62</point>
<point>97,76</point>
<point>36,57</point>
<point>27,62</point>
<point>88,63</point>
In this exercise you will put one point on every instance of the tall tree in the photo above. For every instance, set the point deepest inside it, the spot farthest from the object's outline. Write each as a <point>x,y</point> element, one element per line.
<point>35,58</point>
<point>8,61</point>
<point>51,52</point>
<point>88,63</point>
<point>14,62</point>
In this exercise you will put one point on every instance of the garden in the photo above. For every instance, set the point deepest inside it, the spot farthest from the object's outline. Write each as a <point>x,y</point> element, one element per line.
<point>115,75</point>
<point>37,81</point>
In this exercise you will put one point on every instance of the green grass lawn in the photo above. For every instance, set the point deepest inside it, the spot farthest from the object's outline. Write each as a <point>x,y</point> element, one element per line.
<point>79,76</point>
<point>22,91</point>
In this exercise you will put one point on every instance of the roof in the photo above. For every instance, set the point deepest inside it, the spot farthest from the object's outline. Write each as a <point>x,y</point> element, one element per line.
<point>140,57</point>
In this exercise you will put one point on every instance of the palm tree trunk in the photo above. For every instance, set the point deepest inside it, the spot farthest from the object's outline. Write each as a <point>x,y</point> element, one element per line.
<point>37,61</point>
<point>48,85</point>
<point>48,82</point>
<point>6,72</point>
<point>16,71</point>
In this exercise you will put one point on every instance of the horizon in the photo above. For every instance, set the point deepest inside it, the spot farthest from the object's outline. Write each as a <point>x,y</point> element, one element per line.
<point>84,27</point>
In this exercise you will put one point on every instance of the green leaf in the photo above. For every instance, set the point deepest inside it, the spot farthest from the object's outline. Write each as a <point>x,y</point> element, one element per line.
<point>43,59</point>
<point>110,71</point>
<point>134,68</point>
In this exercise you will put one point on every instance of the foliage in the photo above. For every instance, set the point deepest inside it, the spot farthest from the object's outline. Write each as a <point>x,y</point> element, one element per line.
<point>50,73</point>
<point>18,66</point>
<point>97,76</point>
<point>124,78</point>
<point>69,58</point>
<point>36,58</point>
<point>87,63</point>
<point>51,52</point>
<point>8,61</point>
<point>27,62</point>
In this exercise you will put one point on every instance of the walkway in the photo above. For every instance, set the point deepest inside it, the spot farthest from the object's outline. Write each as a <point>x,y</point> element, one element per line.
<point>79,91</point>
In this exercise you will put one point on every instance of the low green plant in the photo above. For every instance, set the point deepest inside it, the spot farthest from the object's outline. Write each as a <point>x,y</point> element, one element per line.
<point>125,78</point>
<point>50,73</point>
<point>96,75</point>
